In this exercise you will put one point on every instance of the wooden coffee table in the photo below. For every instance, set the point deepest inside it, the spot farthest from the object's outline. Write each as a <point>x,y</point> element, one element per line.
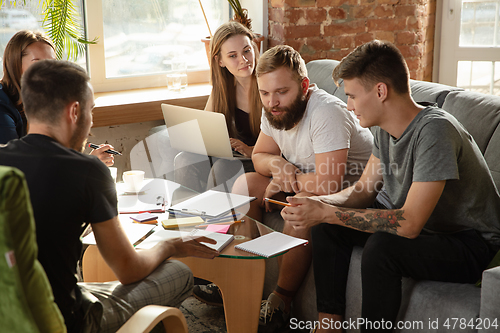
<point>238,274</point>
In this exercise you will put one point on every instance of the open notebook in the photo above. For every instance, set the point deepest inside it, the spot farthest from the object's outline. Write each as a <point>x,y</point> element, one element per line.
<point>211,204</point>
<point>271,244</point>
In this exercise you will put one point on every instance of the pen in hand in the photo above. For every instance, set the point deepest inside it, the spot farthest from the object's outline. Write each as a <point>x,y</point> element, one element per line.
<point>277,202</point>
<point>109,151</point>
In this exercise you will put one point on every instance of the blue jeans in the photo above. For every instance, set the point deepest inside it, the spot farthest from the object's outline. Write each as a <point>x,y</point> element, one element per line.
<point>459,257</point>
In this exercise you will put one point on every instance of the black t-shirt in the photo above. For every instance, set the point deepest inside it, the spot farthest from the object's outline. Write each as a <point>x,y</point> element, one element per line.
<point>68,190</point>
<point>242,123</point>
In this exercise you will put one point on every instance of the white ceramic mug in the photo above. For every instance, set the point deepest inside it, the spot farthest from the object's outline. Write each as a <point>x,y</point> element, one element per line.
<point>133,180</point>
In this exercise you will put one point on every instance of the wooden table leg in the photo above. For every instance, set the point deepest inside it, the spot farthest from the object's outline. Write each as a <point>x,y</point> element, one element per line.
<point>241,282</point>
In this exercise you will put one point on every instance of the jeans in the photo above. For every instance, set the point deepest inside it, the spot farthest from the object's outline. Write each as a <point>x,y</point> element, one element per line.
<point>460,257</point>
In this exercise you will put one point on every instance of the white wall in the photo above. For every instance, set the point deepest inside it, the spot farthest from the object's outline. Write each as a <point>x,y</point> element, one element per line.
<point>123,138</point>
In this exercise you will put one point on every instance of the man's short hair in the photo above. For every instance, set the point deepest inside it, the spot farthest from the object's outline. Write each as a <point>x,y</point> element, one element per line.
<point>282,56</point>
<point>48,86</point>
<point>374,62</point>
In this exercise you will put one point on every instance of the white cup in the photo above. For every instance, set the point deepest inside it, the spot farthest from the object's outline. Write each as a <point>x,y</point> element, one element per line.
<point>114,172</point>
<point>133,180</point>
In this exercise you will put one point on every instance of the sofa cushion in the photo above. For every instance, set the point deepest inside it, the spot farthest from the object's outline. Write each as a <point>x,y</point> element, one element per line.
<point>320,72</point>
<point>479,113</point>
<point>422,91</point>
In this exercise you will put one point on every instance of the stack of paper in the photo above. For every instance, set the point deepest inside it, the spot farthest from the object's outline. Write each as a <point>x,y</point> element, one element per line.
<point>211,204</point>
<point>271,244</point>
<point>175,223</point>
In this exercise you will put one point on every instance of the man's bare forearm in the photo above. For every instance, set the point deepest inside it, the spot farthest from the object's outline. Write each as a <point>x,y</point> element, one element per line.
<point>368,220</point>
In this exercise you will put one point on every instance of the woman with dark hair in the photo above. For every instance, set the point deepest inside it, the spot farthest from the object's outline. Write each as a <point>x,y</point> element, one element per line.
<point>23,49</point>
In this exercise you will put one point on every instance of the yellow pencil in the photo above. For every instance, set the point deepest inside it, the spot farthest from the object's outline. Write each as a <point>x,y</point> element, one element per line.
<point>277,202</point>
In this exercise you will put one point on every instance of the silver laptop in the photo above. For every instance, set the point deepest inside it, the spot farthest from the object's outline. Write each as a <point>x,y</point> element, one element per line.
<point>197,131</point>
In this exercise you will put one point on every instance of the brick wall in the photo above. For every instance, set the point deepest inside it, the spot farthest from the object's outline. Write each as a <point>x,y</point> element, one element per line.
<point>330,29</point>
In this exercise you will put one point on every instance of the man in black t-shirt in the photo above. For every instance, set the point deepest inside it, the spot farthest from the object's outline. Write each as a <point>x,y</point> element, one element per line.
<point>69,190</point>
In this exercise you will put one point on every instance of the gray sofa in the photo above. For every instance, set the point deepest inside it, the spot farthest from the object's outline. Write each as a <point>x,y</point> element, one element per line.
<point>423,301</point>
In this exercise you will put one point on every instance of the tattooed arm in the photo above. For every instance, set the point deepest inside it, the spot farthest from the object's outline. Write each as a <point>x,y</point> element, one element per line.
<point>407,221</point>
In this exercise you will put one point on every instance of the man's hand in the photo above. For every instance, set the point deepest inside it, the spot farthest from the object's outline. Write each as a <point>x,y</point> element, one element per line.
<point>284,175</point>
<point>191,247</point>
<point>106,158</point>
<point>304,212</point>
<point>241,147</point>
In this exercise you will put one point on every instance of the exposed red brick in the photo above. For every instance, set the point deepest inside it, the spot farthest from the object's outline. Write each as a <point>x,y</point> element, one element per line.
<point>404,11</point>
<point>412,63</point>
<point>406,37</point>
<point>301,31</point>
<point>367,2</point>
<point>387,2</point>
<point>295,43</point>
<point>410,51</point>
<point>277,31</point>
<point>277,3</point>
<point>333,28</point>
<point>383,11</point>
<point>334,3</point>
<point>338,55</point>
<point>316,15</point>
<point>294,15</point>
<point>337,13</point>
<point>362,38</point>
<point>337,29</point>
<point>384,35</point>
<point>362,11</point>
<point>320,43</point>
<point>271,42</point>
<point>415,23</point>
<point>390,24</point>
<point>301,3</point>
<point>276,15</point>
<point>342,42</point>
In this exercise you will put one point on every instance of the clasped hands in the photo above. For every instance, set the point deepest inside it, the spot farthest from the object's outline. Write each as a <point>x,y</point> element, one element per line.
<point>283,179</point>
<point>304,212</point>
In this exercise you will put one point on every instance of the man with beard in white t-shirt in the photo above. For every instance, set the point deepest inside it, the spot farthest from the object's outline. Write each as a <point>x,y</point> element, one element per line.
<point>309,144</point>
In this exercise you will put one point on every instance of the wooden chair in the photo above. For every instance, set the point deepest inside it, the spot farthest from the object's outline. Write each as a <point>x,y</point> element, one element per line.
<point>95,269</point>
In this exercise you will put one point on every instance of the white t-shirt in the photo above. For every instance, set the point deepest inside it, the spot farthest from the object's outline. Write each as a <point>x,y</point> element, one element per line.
<point>326,126</point>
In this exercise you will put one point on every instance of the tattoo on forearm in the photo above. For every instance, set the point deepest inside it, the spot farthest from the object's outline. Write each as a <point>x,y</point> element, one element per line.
<point>371,221</point>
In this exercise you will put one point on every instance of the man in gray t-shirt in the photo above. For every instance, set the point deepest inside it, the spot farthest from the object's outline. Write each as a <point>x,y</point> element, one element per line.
<point>445,224</point>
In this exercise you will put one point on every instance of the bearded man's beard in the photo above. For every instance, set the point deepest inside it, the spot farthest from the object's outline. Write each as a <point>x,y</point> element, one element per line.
<point>290,115</point>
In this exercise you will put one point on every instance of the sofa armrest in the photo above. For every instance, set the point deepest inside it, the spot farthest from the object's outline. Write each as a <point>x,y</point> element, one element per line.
<point>490,302</point>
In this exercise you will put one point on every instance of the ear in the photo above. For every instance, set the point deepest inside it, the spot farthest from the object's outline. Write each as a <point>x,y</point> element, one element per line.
<point>304,85</point>
<point>73,111</point>
<point>382,91</point>
<point>221,64</point>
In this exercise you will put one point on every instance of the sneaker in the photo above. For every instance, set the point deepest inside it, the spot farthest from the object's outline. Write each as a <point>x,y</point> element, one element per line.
<point>209,294</point>
<point>273,318</point>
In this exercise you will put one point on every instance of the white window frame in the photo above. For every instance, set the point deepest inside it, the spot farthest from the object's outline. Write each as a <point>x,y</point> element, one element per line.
<point>96,58</point>
<point>450,51</point>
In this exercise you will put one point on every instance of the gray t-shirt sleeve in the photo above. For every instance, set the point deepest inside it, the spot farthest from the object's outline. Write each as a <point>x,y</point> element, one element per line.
<point>436,152</point>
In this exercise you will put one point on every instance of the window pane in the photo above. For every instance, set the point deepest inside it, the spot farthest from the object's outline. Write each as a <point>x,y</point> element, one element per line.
<point>479,76</point>
<point>480,23</point>
<point>145,36</point>
<point>27,16</point>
